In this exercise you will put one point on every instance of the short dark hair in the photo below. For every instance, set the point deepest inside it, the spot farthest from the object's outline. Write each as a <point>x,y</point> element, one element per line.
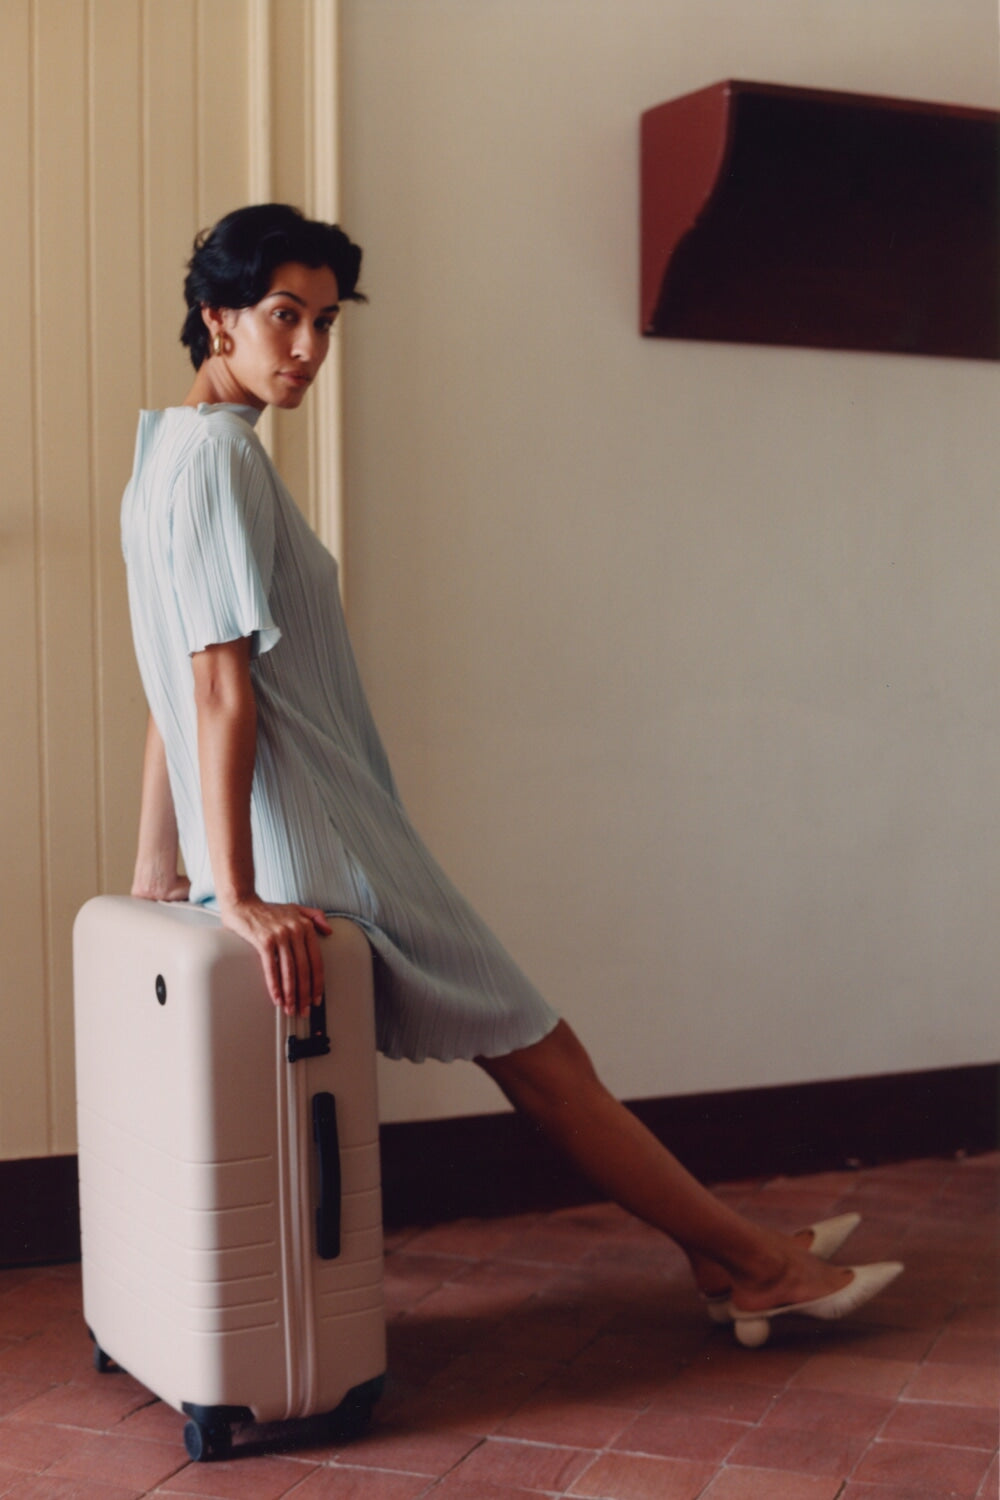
<point>233,263</point>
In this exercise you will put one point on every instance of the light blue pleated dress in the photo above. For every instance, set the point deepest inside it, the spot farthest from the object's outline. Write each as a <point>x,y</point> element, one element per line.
<point>216,550</point>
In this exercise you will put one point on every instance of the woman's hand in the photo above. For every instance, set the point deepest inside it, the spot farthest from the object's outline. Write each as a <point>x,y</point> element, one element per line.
<point>285,938</point>
<point>157,882</point>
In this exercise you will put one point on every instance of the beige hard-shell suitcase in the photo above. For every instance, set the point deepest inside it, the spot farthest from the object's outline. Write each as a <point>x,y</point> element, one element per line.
<point>229,1173</point>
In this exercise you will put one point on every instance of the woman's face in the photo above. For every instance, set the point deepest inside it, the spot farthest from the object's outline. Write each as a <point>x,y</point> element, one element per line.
<point>272,351</point>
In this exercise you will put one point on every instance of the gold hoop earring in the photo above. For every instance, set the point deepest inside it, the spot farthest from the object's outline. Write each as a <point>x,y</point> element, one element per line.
<point>219,343</point>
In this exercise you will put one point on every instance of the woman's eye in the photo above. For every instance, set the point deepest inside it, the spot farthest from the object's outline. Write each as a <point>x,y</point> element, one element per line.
<point>285,314</point>
<point>324,325</point>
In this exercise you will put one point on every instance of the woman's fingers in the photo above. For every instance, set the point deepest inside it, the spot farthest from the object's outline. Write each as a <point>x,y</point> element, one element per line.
<point>319,919</point>
<point>305,956</point>
<point>316,922</point>
<point>306,980</point>
<point>315,961</point>
<point>272,973</point>
<point>294,964</point>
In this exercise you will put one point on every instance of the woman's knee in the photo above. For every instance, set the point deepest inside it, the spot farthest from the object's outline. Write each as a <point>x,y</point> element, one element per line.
<point>556,1064</point>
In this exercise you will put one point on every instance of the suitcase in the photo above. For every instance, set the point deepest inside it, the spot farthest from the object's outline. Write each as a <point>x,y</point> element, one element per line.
<point>229,1173</point>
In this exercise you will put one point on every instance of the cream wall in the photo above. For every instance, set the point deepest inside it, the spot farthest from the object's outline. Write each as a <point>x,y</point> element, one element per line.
<point>126,126</point>
<point>687,656</point>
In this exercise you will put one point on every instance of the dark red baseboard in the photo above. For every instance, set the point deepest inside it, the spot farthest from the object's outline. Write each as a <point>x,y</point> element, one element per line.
<point>39,1213</point>
<point>499,1164</point>
<point>485,1165</point>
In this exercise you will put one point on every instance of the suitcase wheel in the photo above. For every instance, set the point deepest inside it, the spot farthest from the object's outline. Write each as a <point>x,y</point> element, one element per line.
<point>205,1440</point>
<point>350,1419</point>
<point>103,1363</point>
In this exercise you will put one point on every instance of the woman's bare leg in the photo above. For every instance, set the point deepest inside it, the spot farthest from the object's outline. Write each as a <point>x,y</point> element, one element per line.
<point>554,1084</point>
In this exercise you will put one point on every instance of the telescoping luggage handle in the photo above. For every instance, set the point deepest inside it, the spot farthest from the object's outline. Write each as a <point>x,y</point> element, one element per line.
<point>317,1043</point>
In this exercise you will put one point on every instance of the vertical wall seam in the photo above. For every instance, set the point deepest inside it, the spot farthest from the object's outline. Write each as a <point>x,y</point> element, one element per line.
<point>197,143</point>
<point>142,136</point>
<point>326,104</point>
<point>44,800</point>
<point>260,159</point>
<point>317,408</point>
<point>260,154</point>
<point>97,591</point>
<point>145,227</point>
<point>326,449</point>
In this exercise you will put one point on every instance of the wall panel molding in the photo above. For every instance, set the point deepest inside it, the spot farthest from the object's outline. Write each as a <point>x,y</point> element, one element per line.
<point>130,125</point>
<point>325,468</point>
<point>64,512</point>
<point>23,1065</point>
<point>259,96</point>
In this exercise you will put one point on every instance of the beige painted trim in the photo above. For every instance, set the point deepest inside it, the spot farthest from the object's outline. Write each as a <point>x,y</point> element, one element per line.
<point>318,428</point>
<point>326,432</point>
<point>260,141</point>
<point>45,955</point>
<point>259,99</point>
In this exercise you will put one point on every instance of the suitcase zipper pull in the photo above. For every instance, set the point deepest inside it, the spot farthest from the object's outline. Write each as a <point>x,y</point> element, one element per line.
<point>317,1043</point>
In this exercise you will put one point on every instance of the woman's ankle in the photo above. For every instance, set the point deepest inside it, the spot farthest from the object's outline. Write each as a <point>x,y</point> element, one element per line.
<point>761,1260</point>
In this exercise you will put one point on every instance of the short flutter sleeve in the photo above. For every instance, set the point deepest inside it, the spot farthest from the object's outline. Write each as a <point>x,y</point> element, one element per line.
<point>222,545</point>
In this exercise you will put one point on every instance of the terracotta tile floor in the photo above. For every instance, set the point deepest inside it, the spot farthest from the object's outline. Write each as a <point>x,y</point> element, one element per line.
<point>566,1355</point>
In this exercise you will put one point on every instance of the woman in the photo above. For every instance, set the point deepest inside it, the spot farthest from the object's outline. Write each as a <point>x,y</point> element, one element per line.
<point>263,764</point>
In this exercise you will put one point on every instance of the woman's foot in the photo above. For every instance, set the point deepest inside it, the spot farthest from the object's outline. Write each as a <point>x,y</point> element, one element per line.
<point>861,1285</point>
<point>821,1239</point>
<point>804,1278</point>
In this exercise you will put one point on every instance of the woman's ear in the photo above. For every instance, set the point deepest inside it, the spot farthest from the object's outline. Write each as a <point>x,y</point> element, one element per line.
<point>218,321</point>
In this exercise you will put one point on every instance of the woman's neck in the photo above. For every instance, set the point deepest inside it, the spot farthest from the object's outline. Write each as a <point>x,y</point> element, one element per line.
<point>215,386</point>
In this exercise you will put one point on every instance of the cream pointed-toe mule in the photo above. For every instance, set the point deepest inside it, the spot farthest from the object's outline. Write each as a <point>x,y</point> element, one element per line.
<point>753,1328</point>
<point>827,1237</point>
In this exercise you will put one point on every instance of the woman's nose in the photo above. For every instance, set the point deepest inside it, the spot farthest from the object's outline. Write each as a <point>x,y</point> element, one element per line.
<point>307,345</point>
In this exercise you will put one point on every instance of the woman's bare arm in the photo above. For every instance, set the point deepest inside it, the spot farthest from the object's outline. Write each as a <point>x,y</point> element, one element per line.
<point>156,877</point>
<point>284,935</point>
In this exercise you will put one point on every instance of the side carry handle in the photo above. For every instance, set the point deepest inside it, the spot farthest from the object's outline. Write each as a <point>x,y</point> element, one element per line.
<point>324,1108</point>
